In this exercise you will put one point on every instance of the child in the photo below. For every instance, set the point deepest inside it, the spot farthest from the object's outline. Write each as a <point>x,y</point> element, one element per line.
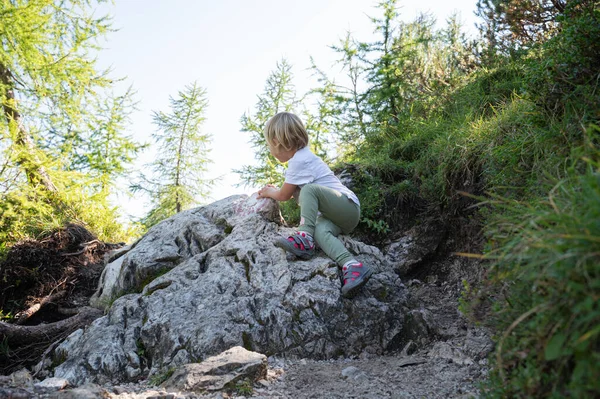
<point>320,191</point>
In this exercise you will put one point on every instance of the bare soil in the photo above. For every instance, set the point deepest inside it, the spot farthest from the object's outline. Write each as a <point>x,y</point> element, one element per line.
<point>45,281</point>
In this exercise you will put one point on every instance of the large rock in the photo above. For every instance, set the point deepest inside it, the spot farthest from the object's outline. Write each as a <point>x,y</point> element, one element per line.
<point>222,283</point>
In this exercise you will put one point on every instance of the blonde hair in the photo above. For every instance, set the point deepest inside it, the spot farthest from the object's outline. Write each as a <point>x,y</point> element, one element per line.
<point>285,130</point>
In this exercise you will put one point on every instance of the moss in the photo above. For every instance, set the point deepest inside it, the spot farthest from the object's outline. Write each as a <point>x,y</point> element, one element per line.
<point>157,287</point>
<point>151,277</point>
<point>247,341</point>
<point>59,358</point>
<point>161,377</point>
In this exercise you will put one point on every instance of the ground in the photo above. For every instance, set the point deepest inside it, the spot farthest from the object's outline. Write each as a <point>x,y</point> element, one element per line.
<point>443,355</point>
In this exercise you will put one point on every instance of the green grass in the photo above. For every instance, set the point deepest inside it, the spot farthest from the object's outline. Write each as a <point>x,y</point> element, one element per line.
<point>549,326</point>
<point>161,377</point>
<point>521,141</point>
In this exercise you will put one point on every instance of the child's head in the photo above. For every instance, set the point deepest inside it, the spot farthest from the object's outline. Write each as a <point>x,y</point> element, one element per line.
<point>285,132</point>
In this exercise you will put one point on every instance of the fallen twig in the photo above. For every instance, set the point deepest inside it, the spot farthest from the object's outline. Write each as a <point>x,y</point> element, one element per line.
<point>26,314</point>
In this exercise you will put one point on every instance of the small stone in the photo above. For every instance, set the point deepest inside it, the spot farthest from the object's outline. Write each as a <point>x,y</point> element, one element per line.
<point>87,391</point>
<point>409,349</point>
<point>353,373</point>
<point>263,382</point>
<point>349,371</point>
<point>15,393</point>
<point>209,375</point>
<point>21,378</point>
<point>432,279</point>
<point>52,384</point>
<point>118,390</point>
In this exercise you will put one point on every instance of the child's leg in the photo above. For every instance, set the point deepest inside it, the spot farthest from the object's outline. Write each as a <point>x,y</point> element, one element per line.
<point>333,206</point>
<point>326,233</point>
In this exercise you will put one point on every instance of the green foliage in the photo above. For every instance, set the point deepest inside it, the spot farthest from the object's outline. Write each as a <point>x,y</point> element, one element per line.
<point>141,352</point>
<point>512,26</point>
<point>101,150</point>
<point>549,250</point>
<point>58,358</point>
<point>426,132</point>
<point>243,387</point>
<point>378,226</point>
<point>177,182</point>
<point>6,316</point>
<point>161,377</point>
<point>565,69</point>
<point>61,129</point>
<point>290,212</point>
<point>28,211</point>
<point>280,95</point>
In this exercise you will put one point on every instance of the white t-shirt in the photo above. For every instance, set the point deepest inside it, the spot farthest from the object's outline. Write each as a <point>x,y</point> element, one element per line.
<point>305,167</point>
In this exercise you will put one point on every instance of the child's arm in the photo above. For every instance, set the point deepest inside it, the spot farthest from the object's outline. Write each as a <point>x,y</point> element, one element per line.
<point>282,194</point>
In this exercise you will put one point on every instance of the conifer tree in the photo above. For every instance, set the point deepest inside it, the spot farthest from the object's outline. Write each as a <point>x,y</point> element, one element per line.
<point>512,25</point>
<point>344,102</point>
<point>177,182</point>
<point>401,75</point>
<point>279,95</point>
<point>49,89</point>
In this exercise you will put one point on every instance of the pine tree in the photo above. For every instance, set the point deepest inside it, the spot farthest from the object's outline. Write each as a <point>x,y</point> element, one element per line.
<point>49,91</point>
<point>177,182</point>
<point>344,102</point>
<point>513,25</point>
<point>399,77</point>
<point>279,95</point>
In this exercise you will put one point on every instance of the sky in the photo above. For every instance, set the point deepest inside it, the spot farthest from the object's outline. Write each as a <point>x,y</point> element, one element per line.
<point>229,47</point>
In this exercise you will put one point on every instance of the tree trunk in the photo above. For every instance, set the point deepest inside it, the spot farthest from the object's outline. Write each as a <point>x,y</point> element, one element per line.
<point>36,173</point>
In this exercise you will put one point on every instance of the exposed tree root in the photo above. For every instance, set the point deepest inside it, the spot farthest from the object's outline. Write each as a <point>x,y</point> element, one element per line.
<point>46,284</point>
<point>23,335</point>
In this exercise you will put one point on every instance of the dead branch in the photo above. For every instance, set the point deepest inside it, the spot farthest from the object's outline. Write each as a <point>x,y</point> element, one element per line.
<point>84,247</point>
<point>26,314</point>
<point>40,365</point>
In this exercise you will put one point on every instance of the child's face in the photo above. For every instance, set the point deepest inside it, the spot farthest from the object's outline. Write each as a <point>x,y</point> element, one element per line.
<point>281,155</point>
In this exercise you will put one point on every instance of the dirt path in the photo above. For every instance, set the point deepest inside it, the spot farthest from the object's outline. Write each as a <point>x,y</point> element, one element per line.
<point>447,361</point>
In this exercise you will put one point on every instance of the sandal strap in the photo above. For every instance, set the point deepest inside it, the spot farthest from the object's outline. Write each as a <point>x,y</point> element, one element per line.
<point>301,241</point>
<point>353,271</point>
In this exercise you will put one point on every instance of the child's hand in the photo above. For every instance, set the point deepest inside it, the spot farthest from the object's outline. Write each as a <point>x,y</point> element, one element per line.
<point>267,191</point>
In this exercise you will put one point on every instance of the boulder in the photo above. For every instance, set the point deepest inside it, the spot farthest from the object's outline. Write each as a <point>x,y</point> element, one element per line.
<point>217,372</point>
<point>209,279</point>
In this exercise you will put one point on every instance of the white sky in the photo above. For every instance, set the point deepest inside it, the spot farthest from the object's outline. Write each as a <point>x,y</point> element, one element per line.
<point>229,47</point>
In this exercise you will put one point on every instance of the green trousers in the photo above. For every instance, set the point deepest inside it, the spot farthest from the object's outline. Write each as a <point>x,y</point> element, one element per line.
<point>339,214</point>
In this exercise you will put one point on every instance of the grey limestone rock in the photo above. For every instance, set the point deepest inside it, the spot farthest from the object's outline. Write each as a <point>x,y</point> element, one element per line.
<point>414,247</point>
<point>52,384</point>
<point>216,372</point>
<point>209,279</point>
